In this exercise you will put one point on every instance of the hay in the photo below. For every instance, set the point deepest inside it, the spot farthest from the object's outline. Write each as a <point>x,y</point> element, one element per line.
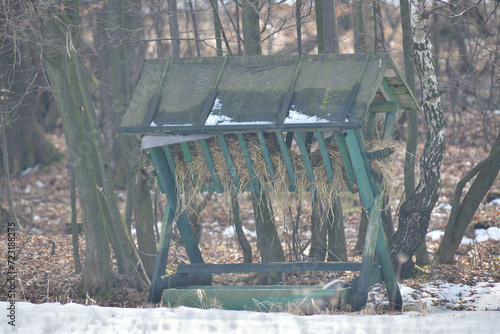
<point>196,175</point>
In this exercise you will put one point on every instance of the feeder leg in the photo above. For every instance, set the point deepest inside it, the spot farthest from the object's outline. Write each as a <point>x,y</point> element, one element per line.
<point>155,289</point>
<point>365,277</point>
<point>388,274</point>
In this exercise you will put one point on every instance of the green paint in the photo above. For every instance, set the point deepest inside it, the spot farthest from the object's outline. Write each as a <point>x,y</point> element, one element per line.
<point>265,153</point>
<point>288,161</point>
<point>210,165</point>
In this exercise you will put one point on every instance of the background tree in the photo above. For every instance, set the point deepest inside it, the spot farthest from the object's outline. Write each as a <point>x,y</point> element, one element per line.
<point>415,212</point>
<point>268,239</point>
<point>24,102</point>
<point>86,154</point>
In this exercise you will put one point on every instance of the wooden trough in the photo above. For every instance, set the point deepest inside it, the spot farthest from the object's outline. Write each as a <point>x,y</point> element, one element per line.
<point>332,100</point>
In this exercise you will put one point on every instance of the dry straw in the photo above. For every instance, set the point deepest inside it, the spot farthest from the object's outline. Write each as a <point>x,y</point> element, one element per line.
<point>196,175</point>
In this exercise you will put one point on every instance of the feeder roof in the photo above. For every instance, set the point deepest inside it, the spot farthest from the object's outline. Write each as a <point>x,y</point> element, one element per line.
<point>180,99</point>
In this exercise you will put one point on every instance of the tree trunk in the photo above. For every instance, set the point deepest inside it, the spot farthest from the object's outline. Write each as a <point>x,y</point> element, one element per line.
<point>365,23</point>
<point>107,115</point>
<point>143,217</point>
<point>268,239</point>
<point>463,210</point>
<point>422,255</point>
<point>319,228</point>
<point>87,157</point>
<point>27,144</point>
<point>251,27</point>
<point>329,220</point>
<point>330,30</point>
<point>415,212</point>
<point>96,278</point>
<point>246,248</point>
<point>137,183</point>
<point>173,23</point>
<point>337,250</point>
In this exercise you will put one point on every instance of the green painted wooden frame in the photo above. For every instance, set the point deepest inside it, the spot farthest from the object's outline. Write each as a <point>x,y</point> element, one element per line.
<point>357,102</point>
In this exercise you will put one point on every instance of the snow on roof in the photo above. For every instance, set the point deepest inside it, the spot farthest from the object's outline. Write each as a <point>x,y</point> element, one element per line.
<point>295,116</point>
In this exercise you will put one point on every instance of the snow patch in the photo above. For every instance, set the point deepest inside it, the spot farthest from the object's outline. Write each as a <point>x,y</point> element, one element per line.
<point>30,169</point>
<point>230,231</point>
<point>217,105</point>
<point>295,116</point>
<point>214,119</point>
<point>435,235</point>
<point>495,202</point>
<point>421,314</point>
<point>492,233</point>
<point>444,206</point>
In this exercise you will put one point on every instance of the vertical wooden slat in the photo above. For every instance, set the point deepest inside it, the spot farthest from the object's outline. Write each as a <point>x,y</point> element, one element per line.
<point>324,154</point>
<point>388,274</point>
<point>189,160</point>
<point>370,126</point>
<point>267,156</point>
<point>167,186</point>
<point>210,165</point>
<point>305,155</point>
<point>288,161</point>
<point>170,159</point>
<point>366,161</point>
<point>390,117</point>
<point>248,160</point>
<point>363,178</point>
<point>346,160</point>
<point>229,161</point>
<point>161,258</point>
<point>365,277</point>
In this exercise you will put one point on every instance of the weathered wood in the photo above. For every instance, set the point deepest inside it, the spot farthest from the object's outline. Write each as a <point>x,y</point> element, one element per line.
<point>160,266</point>
<point>277,95</point>
<point>286,267</point>
<point>288,161</point>
<point>210,164</point>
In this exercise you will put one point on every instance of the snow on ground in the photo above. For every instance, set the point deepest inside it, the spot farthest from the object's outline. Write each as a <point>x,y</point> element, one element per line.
<point>421,314</point>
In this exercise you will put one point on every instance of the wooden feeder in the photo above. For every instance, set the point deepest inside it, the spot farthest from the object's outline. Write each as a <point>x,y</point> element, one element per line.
<point>283,99</point>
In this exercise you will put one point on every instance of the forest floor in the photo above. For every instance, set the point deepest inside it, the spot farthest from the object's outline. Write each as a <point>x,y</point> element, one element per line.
<point>45,260</point>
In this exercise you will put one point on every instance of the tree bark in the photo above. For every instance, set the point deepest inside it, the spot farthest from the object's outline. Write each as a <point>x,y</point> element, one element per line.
<point>173,23</point>
<point>422,256</point>
<point>267,236</point>
<point>143,216</point>
<point>364,21</point>
<point>319,230</point>
<point>328,221</point>
<point>330,30</point>
<point>268,240</point>
<point>415,212</point>
<point>337,249</point>
<point>96,278</point>
<point>251,27</point>
<point>22,104</point>
<point>246,248</point>
<point>463,210</point>
<point>87,156</point>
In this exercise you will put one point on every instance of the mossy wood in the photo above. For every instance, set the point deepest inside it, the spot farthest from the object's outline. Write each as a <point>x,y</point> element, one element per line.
<point>251,110</point>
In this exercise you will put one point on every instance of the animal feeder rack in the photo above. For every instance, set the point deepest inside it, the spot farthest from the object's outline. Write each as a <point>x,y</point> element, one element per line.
<point>274,107</point>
